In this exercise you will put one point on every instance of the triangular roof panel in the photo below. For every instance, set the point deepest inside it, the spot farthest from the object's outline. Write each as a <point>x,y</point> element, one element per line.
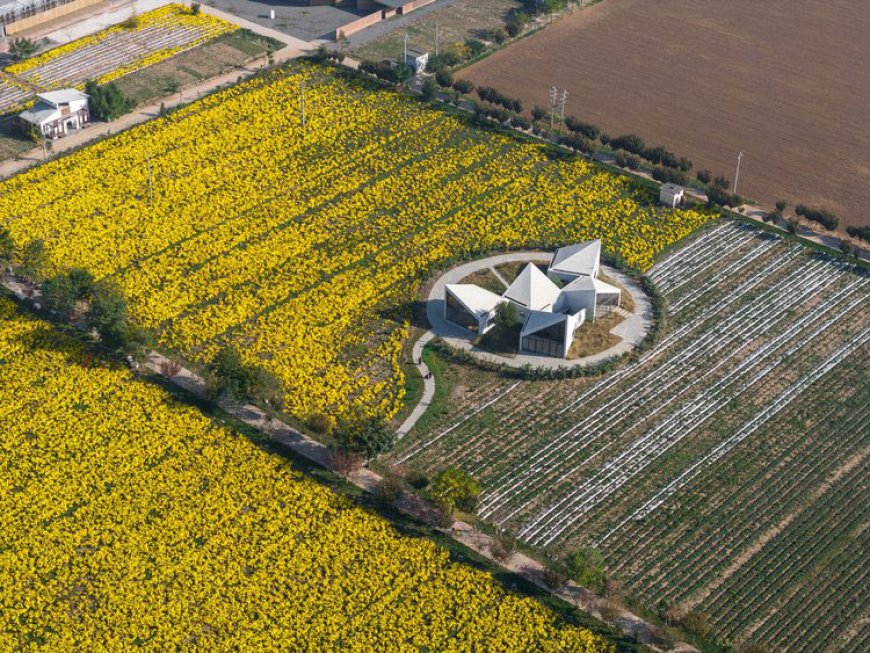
<point>533,289</point>
<point>578,259</point>
<point>476,299</point>
<point>538,320</point>
<point>604,288</point>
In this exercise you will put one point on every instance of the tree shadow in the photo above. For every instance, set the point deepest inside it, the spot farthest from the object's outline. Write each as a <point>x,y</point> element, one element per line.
<point>413,310</point>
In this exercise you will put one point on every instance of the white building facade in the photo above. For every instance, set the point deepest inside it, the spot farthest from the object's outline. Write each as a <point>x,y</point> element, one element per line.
<point>57,113</point>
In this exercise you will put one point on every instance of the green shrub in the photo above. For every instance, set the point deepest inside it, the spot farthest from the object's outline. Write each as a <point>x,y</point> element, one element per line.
<point>586,567</point>
<point>454,488</point>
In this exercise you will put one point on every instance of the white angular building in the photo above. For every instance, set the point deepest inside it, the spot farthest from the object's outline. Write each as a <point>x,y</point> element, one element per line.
<point>549,314</point>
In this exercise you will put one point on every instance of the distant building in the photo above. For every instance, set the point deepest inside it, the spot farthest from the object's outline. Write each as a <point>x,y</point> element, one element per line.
<point>19,15</point>
<point>671,195</point>
<point>56,113</point>
<point>549,314</point>
<point>416,60</point>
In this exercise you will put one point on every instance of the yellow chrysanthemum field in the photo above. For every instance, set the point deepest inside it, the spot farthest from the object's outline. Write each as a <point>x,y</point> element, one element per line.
<point>306,245</point>
<point>121,49</point>
<point>132,522</point>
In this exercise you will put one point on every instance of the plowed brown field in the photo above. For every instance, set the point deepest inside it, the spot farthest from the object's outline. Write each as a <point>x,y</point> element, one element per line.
<point>786,82</point>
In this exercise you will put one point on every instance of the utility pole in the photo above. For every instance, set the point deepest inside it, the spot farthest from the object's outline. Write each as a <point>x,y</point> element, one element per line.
<point>437,37</point>
<point>302,91</point>
<point>737,172</point>
<point>562,109</point>
<point>405,52</point>
<point>554,96</point>
<point>150,185</point>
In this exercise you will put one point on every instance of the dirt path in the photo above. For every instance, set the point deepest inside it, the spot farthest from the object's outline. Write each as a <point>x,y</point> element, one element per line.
<point>428,385</point>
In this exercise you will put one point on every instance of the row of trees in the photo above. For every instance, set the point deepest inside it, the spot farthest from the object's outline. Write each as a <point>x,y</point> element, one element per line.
<point>825,218</point>
<point>862,233</point>
<point>74,294</point>
<point>387,70</point>
<point>489,94</point>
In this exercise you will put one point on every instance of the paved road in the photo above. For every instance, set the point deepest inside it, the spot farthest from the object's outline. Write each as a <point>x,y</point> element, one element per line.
<point>428,385</point>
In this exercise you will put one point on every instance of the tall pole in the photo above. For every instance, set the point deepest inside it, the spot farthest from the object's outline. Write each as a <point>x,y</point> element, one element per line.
<point>562,109</point>
<point>302,90</point>
<point>737,172</point>
<point>405,52</point>
<point>150,185</point>
<point>553,98</point>
<point>437,37</point>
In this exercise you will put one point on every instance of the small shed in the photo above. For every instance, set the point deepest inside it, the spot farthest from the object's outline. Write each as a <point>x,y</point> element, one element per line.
<point>671,195</point>
<point>416,60</point>
<point>56,113</point>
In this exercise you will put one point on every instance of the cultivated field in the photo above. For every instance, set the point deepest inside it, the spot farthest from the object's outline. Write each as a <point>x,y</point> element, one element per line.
<point>109,54</point>
<point>131,521</point>
<point>726,471</point>
<point>456,22</point>
<point>791,89</point>
<point>306,246</point>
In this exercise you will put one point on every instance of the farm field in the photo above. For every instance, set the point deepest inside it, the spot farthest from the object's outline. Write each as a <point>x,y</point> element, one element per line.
<point>457,22</point>
<point>725,471</point>
<point>791,89</point>
<point>112,53</point>
<point>216,57</point>
<point>306,246</point>
<point>133,521</point>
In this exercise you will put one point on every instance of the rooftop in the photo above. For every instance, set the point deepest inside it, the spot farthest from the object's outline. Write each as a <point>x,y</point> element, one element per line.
<point>533,289</point>
<point>476,299</point>
<point>579,259</point>
<point>62,96</point>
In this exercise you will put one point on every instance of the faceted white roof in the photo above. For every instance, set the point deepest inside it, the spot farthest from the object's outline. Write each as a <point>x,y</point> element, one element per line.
<point>604,288</point>
<point>577,259</point>
<point>592,283</point>
<point>537,320</point>
<point>476,299</point>
<point>533,289</point>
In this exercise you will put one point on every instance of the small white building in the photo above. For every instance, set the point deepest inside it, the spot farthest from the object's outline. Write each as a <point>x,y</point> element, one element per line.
<point>671,195</point>
<point>416,60</point>
<point>56,113</point>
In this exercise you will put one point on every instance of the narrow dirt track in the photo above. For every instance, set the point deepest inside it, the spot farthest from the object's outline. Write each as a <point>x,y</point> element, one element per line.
<point>787,83</point>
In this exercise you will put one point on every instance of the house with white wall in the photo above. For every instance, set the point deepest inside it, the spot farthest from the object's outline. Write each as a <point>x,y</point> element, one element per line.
<point>56,113</point>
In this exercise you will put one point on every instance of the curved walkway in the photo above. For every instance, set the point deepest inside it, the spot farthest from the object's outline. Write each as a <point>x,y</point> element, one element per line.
<point>428,385</point>
<point>632,330</point>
